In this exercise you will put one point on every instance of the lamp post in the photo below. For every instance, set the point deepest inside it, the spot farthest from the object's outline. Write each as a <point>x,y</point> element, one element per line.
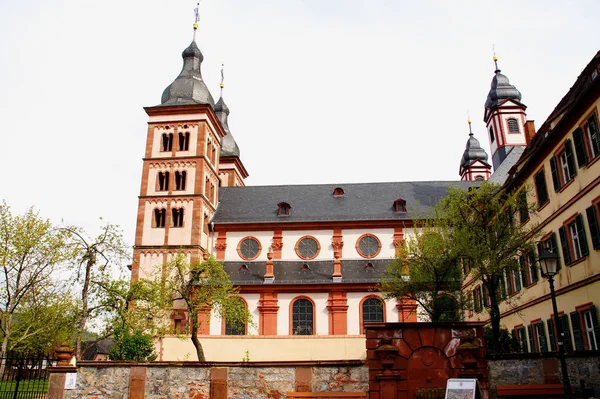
<point>548,261</point>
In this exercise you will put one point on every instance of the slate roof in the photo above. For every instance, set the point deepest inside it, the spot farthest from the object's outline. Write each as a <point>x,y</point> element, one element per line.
<point>502,172</point>
<point>316,202</point>
<point>291,272</point>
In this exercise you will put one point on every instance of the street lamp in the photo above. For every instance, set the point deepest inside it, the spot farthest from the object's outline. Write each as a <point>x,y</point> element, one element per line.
<point>549,261</point>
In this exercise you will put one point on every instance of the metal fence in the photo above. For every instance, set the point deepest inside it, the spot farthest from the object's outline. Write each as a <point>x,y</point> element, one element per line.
<point>24,376</point>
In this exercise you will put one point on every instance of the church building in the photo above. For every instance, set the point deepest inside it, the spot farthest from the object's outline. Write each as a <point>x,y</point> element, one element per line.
<point>307,258</point>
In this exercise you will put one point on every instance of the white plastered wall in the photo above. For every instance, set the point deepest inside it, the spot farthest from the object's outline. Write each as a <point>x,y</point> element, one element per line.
<point>181,235</point>
<point>216,322</point>
<point>152,236</point>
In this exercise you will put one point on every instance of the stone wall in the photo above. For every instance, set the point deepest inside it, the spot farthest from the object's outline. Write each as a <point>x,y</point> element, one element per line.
<point>538,368</point>
<point>191,380</point>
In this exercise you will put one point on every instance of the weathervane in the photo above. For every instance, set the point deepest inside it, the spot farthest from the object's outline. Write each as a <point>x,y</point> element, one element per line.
<point>222,79</point>
<point>196,19</point>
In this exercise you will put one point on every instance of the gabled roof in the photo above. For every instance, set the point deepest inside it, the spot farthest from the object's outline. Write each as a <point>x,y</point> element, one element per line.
<point>314,202</point>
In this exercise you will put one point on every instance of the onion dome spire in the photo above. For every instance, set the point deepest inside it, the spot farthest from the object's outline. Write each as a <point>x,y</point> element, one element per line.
<point>501,89</point>
<point>229,147</point>
<point>188,87</point>
<point>473,151</point>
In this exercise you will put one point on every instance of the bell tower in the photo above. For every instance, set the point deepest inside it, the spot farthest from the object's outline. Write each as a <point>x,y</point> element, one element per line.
<point>474,164</point>
<point>504,117</point>
<point>180,175</point>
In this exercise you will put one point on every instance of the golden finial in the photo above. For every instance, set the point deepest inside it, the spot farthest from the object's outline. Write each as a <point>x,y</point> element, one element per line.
<point>469,121</point>
<point>495,58</point>
<point>222,85</point>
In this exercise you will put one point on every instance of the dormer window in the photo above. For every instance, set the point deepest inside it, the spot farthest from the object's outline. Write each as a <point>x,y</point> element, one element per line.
<point>338,192</point>
<point>244,268</point>
<point>369,267</point>
<point>399,205</point>
<point>513,125</point>
<point>305,267</point>
<point>283,209</point>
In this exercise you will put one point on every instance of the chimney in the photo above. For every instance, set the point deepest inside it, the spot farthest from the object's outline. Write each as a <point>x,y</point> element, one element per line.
<point>529,131</point>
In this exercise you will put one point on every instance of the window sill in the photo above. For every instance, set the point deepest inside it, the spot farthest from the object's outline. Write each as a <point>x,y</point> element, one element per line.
<point>593,161</point>
<point>540,207</point>
<point>578,261</point>
<point>531,284</point>
<point>567,184</point>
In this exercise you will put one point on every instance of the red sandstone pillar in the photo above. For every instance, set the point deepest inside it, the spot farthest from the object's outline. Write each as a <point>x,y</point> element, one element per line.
<point>338,313</point>
<point>267,306</point>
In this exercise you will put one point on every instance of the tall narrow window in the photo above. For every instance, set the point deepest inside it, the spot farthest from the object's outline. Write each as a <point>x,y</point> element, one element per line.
<point>513,125</point>
<point>159,217</point>
<point>540,188</point>
<point>590,321</point>
<point>167,142</point>
<point>180,178</point>
<point>302,317</point>
<point>372,310</point>
<point>177,214</point>
<point>184,141</point>
<point>235,326</point>
<point>163,181</point>
<point>593,136</point>
<point>492,138</point>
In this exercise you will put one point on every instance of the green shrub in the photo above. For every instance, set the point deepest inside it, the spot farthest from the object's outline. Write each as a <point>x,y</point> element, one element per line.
<point>132,345</point>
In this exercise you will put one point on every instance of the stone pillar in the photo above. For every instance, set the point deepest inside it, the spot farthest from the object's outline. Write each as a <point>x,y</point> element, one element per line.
<point>338,313</point>
<point>337,245</point>
<point>277,244</point>
<point>218,383</point>
<point>268,308</point>
<point>269,276</point>
<point>221,245</point>
<point>137,382</point>
<point>407,310</point>
<point>58,374</point>
<point>303,379</point>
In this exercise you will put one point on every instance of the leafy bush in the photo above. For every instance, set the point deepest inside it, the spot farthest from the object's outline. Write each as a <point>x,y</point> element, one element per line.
<point>507,343</point>
<point>132,345</point>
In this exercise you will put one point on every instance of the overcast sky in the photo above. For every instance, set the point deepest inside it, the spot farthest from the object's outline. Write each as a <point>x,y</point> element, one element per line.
<point>320,91</point>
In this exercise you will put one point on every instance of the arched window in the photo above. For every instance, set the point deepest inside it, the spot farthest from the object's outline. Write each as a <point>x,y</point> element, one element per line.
<point>302,317</point>
<point>338,192</point>
<point>184,141</point>
<point>372,310</point>
<point>177,217</point>
<point>180,178</point>
<point>163,181</point>
<point>513,125</point>
<point>447,308</point>
<point>492,137</point>
<point>159,217</point>
<point>399,205</point>
<point>235,326</point>
<point>167,142</point>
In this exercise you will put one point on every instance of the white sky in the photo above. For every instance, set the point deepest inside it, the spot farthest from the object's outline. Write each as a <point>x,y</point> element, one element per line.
<point>320,91</point>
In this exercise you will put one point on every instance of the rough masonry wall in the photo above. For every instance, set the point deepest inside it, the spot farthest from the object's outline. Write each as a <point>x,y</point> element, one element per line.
<point>178,380</point>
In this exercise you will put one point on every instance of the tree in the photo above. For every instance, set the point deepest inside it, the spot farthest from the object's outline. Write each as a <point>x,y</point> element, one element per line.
<point>97,259</point>
<point>135,345</point>
<point>427,270</point>
<point>202,287</point>
<point>31,250</point>
<point>484,230</point>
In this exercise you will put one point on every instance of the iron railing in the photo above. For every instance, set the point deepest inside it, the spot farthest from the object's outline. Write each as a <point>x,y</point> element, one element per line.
<point>24,376</point>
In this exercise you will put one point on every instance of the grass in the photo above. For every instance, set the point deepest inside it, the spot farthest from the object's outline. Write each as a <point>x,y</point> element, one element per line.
<point>28,389</point>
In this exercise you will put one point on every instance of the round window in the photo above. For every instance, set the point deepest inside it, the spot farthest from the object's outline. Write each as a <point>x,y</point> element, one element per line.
<point>249,248</point>
<point>368,246</point>
<point>307,248</point>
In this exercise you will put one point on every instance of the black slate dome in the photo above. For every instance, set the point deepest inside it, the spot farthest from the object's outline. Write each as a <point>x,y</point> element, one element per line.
<point>473,152</point>
<point>188,87</point>
<point>229,147</point>
<point>501,90</point>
